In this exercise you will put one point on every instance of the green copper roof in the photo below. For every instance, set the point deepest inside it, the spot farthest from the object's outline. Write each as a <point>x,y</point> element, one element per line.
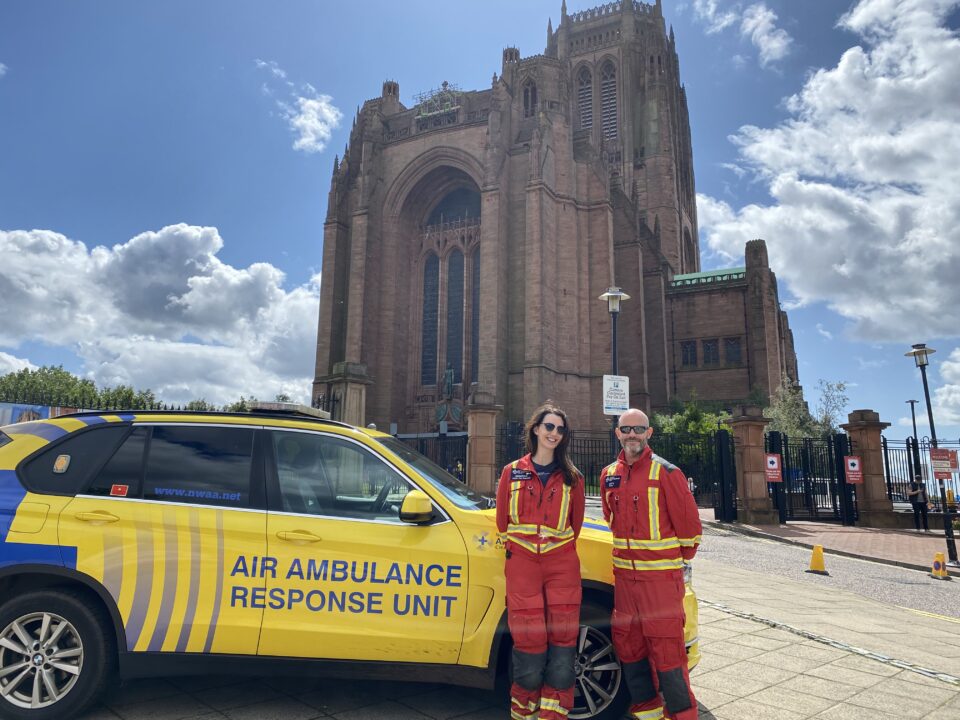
<point>709,273</point>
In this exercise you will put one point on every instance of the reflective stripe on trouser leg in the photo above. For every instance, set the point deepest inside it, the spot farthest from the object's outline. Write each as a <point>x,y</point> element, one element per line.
<point>655,714</point>
<point>520,711</point>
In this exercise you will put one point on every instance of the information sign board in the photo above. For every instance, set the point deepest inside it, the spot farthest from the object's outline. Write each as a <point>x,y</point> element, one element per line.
<point>616,394</point>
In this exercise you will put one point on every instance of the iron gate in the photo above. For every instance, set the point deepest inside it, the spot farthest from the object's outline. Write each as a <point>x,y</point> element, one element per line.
<point>448,450</point>
<point>814,483</point>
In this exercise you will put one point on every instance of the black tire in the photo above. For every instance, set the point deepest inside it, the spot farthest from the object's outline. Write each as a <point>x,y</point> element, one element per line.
<point>73,623</point>
<point>599,690</point>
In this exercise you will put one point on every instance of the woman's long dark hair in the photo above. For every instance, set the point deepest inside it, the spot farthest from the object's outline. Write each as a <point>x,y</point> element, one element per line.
<point>569,470</point>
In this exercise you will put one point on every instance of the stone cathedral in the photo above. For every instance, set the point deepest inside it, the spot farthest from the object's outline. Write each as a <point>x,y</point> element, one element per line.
<point>468,238</point>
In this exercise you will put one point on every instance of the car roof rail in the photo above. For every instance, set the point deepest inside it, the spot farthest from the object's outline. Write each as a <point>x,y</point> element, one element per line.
<point>279,410</point>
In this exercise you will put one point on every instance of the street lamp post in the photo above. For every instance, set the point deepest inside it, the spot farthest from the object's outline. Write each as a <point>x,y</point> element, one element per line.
<point>916,440</point>
<point>920,354</point>
<point>614,296</point>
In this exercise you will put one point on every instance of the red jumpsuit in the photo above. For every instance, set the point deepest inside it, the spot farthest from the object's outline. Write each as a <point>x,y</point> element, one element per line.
<point>540,524</point>
<point>656,527</point>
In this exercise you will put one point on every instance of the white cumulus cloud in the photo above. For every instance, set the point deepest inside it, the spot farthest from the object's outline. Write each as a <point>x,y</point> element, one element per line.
<point>712,16</point>
<point>864,215</point>
<point>310,115</point>
<point>3,70</point>
<point>160,311</point>
<point>11,364</point>
<point>757,24</point>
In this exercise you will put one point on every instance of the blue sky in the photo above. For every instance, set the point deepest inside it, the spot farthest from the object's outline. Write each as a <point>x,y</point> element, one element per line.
<point>164,170</point>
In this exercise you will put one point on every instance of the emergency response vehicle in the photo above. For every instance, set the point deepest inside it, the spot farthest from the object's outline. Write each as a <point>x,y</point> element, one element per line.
<point>138,544</point>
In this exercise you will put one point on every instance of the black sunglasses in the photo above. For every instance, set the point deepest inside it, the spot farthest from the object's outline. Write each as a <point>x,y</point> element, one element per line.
<point>550,427</point>
<point>638,429</point>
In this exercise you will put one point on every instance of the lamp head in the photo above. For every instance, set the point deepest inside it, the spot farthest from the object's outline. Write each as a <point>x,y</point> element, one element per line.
<point>920,353</point>
<point>614,296</point>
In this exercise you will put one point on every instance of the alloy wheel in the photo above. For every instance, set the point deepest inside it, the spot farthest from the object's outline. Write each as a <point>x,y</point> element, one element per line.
<point>41,656</point>
<point>598,674</point>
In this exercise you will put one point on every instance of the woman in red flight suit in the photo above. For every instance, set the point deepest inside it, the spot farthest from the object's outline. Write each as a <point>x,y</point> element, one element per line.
<point>540,505</point>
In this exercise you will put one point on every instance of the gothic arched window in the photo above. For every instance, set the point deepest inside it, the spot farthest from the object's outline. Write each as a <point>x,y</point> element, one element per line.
<point>608,99</point>
<point>529,99</point>
<point>455,310</point>
<point>431,301</point>
<point>585,98</point>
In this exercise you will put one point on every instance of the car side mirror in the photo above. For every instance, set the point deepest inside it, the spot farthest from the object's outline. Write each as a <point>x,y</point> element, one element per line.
<point>416,508</point>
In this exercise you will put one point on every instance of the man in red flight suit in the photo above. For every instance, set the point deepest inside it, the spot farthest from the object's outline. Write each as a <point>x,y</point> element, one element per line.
<point>656,528</point>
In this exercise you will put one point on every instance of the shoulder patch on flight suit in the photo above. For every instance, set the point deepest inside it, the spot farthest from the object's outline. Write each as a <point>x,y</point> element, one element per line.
<point>666,463</point>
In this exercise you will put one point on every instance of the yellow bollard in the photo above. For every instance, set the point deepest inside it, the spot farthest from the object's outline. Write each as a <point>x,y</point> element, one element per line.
<point>939,569</point>
<point>816,561</point>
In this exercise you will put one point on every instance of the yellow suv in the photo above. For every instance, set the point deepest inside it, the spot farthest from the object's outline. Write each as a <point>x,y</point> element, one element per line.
<point>157,543</point>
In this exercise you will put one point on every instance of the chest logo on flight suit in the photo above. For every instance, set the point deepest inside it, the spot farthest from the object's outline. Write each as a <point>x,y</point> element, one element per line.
<point>611,481</point>
<point>520,474</point>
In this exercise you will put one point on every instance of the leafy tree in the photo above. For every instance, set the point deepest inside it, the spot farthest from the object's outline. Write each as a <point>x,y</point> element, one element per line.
<point>48,384</point>
<point>830,409</point>
<point>693,417</point>
<point>788,411</point>
<point>242,405</point>
<point>124,396</point>
<point>200,405</point>
<point>283,397</point>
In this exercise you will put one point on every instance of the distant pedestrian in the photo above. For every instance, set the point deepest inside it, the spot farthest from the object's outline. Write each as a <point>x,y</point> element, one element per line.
<point>656,528</point>
<point>920,501</point>
<point>540,506</point>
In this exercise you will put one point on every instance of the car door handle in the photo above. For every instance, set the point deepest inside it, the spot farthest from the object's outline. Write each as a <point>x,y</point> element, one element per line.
<point>97,516</point>
<point>298,536</point>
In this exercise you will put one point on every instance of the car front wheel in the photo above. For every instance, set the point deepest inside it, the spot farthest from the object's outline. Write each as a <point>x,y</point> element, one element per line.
<point>54,656</point>
<point>599,690</point>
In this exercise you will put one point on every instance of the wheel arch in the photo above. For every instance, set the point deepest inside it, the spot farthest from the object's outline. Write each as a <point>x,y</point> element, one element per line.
<point>25,578</point>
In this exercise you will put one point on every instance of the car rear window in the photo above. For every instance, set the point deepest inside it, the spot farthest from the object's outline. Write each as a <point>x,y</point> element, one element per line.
<point>4,438</point>
<point>65,466</point>
<point>199,465</point>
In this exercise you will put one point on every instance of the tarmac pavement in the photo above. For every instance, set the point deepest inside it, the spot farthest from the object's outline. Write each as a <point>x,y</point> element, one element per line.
<point>773,648</point>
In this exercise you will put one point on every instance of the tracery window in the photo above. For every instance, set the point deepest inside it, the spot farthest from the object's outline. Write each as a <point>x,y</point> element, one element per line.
<point>608,99</point>
<point>455,309</point>
<point>431,303</point>
<point>529,99</point>
<point>585,98</point>
<point>450,330</point>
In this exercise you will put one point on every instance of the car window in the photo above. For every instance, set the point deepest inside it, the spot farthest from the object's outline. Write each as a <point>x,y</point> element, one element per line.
<point>66,466</point>
<point>123,473</point>
<point>200,465</point>
<point>457,492</point>
<point>324,475</point>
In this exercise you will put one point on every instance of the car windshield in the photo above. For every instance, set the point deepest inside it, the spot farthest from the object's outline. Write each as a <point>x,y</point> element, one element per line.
<point>454,490</point>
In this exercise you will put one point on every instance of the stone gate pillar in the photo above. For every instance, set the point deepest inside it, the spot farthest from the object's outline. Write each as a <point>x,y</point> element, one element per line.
<point>349,382</point>
<point>753,501</point>
<point>482,414</point>
<point>864,428</point>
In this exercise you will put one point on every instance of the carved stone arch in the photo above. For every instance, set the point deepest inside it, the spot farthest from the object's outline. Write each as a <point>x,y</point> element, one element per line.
<point>397,199</point>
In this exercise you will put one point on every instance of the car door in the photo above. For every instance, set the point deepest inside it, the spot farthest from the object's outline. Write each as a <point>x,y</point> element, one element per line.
<point>171,526</point>
<point>349,579</point>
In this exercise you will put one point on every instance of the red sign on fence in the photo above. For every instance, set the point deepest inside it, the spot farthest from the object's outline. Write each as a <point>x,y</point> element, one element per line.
<point>940,461</point>
<point>774,473</point>
<point>854,469</point>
